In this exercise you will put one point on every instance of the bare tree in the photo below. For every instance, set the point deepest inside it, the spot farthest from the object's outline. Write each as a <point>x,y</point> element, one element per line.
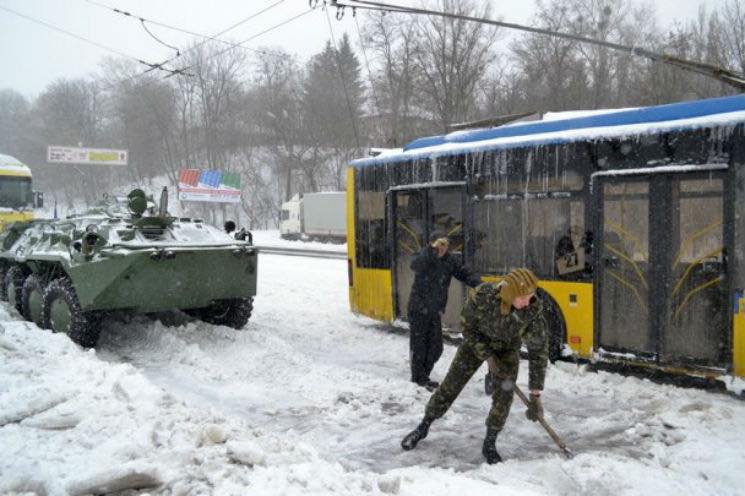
<point>453,56</point>
<point>218,75</point>
<point>69,112</point>
<point>551,72</point>
<point>503,92</point>
<point>732,32</point>
<point>393,42</point>
<point>14,110</point>
<point>279,89</point>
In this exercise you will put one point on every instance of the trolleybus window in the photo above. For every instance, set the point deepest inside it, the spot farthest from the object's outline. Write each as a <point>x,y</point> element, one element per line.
<point>372,249</point>
<point>370,218</point>
<point>15,192</point>
<point>535,220</point>
<point>546,234</point>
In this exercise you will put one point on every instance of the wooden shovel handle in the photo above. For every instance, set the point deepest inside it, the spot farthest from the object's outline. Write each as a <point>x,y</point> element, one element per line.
<point>562,446</point>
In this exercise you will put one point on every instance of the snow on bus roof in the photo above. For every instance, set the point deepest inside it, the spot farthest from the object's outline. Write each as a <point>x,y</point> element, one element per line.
<point>724,111</point>
<point>9,163</point>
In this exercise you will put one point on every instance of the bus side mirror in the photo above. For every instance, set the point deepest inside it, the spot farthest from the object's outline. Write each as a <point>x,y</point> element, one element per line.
<point>38,199</point>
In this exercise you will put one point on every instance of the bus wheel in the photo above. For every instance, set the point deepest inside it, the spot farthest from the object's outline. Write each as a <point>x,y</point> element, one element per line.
<point>13,284</point>
<point>32,294</point>
<point>62,313</point>
<point>556,325</point>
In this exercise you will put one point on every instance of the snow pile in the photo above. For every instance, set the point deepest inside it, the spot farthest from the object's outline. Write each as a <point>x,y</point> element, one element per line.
<point>74,424</point>
<point>309,399</point>
<point>272,238</point>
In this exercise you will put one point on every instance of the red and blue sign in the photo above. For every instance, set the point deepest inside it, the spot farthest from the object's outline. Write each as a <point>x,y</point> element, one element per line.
<point>209,186</point>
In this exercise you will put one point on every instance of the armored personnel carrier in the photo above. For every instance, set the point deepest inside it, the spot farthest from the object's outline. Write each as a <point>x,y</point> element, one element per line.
<point>126,254</point>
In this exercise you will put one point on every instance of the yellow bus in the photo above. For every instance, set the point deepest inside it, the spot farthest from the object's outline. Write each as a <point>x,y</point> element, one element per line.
<point>17,200</point>
<point>634,220</point>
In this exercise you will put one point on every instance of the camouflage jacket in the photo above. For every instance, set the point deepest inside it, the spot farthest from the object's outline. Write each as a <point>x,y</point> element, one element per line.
<point>490,332</point>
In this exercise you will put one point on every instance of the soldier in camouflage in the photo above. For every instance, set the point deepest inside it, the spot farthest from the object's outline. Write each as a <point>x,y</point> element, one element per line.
<point>495,321</point>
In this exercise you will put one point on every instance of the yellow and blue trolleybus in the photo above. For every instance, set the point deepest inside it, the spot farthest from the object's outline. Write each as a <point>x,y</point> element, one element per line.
<point>634,220</point>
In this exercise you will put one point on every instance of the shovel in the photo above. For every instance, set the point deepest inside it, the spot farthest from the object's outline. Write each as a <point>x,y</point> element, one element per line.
<point>562,446</point>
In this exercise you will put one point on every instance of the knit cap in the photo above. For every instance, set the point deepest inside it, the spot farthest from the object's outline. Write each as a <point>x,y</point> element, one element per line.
<point>519,282</point>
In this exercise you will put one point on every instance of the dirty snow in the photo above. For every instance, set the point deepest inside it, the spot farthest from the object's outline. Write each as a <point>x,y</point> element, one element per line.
<point>272,238</point>
<point>309,399</point>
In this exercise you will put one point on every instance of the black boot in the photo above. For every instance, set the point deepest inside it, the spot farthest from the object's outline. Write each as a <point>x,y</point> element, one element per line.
<point>412,438</point>
<point>429,384</point>
<point>489,449</point>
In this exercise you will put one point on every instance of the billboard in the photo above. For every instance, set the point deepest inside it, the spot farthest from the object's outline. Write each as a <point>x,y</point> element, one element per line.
<point>94,156</point>
<point>209,186</point>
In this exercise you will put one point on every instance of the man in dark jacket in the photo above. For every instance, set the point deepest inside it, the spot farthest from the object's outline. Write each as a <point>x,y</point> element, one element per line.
<point>433,266</point>
<point>495,321</point>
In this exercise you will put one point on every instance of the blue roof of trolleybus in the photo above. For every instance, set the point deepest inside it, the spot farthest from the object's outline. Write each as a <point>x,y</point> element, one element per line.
<point>680,116</point>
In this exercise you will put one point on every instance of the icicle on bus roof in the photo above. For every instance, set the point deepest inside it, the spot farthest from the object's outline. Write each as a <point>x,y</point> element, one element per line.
<point>725,111</point>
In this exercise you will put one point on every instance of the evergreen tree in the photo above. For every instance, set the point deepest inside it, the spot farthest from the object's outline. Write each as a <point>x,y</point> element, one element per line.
<point>332,111</point>
<point>334,95</point>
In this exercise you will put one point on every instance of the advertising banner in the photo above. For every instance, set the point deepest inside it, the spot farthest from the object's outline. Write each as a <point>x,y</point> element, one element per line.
<point>94,156</point>
<point>209,186</point>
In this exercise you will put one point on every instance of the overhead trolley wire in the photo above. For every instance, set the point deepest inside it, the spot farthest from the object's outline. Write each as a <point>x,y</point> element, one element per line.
<point>232,45</point>
<point>719,73</point>
<point>241,43</point>
<point>144,26</point>
<point>80,38</point>
<point>205,37</point>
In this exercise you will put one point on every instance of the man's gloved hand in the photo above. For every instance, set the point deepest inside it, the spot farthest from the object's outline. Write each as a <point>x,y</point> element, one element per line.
<point>535,408</point>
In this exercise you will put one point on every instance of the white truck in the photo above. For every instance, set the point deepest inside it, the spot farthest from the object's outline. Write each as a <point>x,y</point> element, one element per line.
<point>315,217</point>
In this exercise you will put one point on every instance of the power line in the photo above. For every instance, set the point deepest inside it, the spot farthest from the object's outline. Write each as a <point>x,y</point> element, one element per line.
<point>241,43</point>
<point>205,37</point>
<point>144,26</point>
<point>161,66</point>
<point>73,35</point>
<point>115,51</point>
<point>343,82</point>
<point>181,71</point>
<point>721,74</point>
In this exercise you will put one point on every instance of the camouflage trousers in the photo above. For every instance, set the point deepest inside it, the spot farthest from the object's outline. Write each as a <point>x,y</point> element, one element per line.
<point>468,359</point>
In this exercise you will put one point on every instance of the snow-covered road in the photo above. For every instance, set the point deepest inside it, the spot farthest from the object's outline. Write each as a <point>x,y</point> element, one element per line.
<point>309,399</point>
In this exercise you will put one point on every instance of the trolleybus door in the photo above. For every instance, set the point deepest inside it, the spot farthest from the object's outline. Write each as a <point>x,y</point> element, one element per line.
<point>696,304</point>
<point>624,275</point>
<point>662,267</point>
<point>446,216</point>
<point>417,214</point>
<point>409,236</point>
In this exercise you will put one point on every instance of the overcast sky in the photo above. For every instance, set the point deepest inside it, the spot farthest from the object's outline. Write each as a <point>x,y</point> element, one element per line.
<point>32,55</point>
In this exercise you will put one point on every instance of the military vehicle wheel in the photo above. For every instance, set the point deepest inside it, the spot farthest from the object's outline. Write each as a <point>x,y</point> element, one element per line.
<point>62,313</point>
<point>232,313</point>
<point>13,284</point>
<point>32,295</point>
